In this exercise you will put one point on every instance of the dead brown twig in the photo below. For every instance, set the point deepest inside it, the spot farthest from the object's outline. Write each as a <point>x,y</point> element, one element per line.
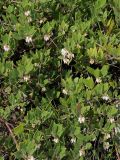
<point>10,131</point>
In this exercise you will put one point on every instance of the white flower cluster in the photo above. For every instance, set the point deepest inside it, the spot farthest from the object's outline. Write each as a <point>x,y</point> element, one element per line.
<point>41,21</point>
<point>27,14</point>
<point>117,129</point>
<point>56,140</point>
<point>65,91</point>
<point>112,120</point>
<point>28,39</point>
<point>92,61</point>
<point>30,158</point>
<point>105,97</point>
<point>81,152</point>
<point>81,119</point>
<point>106,145</point>
<point>29,19</point>
<point>47,37</point>
<point>106,136</point>
<point>98,80</point>
<point>73,140</point>
<point>26,78</point>
<point>66,56</point>
<point>43,89</point>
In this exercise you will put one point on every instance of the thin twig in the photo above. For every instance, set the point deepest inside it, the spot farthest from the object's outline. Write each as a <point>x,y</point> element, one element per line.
<point>54,43</point>
<point>10,131</point>
<point>116,150</point>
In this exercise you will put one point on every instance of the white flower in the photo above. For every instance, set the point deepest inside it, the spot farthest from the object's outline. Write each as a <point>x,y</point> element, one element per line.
<point>64,52</point>
<point>111,120</point>
<point>6,47</point>
<point>73,140</point>
<point>36,64</point>
<point>26,78</point>
<point>27,13</point>
<point>107,136</point>
<point>92,61</point>
<point>105,97</point>
<point>117,129</point>
<point>46,37</point>
<point>28,39</point>
<point>81,152</point>
<point>33,125</point>
<point>66,61</point>
<point>29,19</point>
<point>56,140</point>
<point>98,80</point>
<point>85,34</point>
<point>30,158</point>
<point>21,109</point>
<point>14,27</point>
<point>81,119</point>
<point>70,56</point>
<point>43,89</point>
<point>41,21</point>
<point>106,145</point>
<point>65,91</point>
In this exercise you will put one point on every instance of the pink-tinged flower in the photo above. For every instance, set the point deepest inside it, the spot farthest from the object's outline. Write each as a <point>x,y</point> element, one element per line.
<point>6,47</point>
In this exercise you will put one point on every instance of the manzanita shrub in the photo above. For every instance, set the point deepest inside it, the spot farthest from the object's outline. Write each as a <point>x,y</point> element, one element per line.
<point>59,80</point>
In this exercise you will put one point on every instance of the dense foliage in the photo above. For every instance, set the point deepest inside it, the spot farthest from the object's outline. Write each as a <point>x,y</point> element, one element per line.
<point>59,79</point>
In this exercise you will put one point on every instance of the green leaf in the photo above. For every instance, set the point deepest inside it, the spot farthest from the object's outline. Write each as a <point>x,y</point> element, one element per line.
<point>1,158</point>
<point>104,70</point>
<point>85,109</point>
<point>105,87</point>
<point>27,147</point>
<point>62,152</point>
<point>88,145</point>
<point>10,9</point>
<point>19,129</point>
<point>112,110</point>
<point>57,129</point>
<point>99,4</point>
<point>98,89</point>
<point>2,68</point>
<point>97,73</point>
<point>45,115</point>
<point>89,82</point>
